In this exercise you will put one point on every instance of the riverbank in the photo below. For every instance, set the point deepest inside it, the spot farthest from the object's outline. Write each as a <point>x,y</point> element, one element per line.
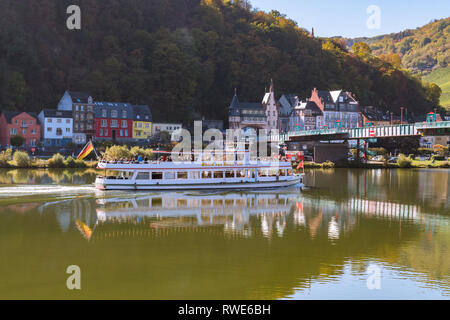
<point>414,164</point>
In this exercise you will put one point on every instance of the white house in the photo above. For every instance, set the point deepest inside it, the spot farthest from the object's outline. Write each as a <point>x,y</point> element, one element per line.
<point>167,127</point>
<point>57,127</point>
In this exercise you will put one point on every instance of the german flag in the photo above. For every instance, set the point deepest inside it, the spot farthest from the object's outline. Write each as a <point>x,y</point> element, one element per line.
<point>86,151</point>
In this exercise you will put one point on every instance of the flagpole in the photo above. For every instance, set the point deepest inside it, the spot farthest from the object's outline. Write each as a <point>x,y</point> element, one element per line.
<point>96,154</point>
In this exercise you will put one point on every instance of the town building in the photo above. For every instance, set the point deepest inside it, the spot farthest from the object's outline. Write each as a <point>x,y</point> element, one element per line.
<point>170,128</point>
<point>25,124</point>
<point>430,141</point>
<point>306,115</point>
<point>142,122</point>
<point>270,106</point>
<point>375,116</point>
<point>338,107</point>
<point>286,104</point>
<point>82,106</point>
<point>113,121</point>
<point>56,127</point>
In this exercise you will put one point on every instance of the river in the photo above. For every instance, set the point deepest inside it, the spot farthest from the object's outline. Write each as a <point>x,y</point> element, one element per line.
<point>350,234</point>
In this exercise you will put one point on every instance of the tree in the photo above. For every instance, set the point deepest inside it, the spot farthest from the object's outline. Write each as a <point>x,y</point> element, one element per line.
<point>361,49</point>
<point>17,141</point>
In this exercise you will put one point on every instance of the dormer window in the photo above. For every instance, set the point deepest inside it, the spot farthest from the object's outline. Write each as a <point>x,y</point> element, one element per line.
<point>114,114</point>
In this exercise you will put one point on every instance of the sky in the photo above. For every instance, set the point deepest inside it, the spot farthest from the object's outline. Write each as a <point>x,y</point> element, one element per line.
<point>350,19</point>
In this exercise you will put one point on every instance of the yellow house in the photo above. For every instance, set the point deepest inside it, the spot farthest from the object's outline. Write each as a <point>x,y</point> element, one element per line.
<point>142,123</point>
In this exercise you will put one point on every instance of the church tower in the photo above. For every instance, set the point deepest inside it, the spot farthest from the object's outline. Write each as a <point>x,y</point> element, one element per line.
<point>234,112</point>
<point>270,106</point>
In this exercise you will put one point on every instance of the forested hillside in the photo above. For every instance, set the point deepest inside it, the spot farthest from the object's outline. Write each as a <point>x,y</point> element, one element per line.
<point>421,50</point>
<point>182,57</point>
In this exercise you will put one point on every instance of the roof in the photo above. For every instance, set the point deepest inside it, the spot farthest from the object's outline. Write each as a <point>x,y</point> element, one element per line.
<point>53,113</point>
<point>309,105</point>
<point>286,103</point>
<point>142,112</point>
<point>235,103</point>
<point>110,106</point>
<point>9,115</point>
<point>335,95</point>
<point>252,105</point>
<point>80,97</point>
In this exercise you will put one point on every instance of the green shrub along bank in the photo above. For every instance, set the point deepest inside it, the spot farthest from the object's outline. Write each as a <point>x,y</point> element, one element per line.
<point>20,159</point>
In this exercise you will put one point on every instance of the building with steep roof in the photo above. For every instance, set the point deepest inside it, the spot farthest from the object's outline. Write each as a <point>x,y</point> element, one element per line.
<point>306,115</point>
<point>286,104</point>
<point>82,106</point>
<point>338,107</point>
<point>256,115</point>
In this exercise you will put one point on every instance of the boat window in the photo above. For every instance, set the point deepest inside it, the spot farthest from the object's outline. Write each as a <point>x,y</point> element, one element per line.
<point>218,174</point>
<point>282,172</point>
<point>143,176</point>
<point>182,175</point>
<point>157,175</point>
<point>229,174</point>
<point>289,172</point>
<point>169,175</point>
<point>240,174</point>
<point>206,175</point>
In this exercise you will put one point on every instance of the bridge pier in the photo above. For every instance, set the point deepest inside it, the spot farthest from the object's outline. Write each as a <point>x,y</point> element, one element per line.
<point>335,152</point>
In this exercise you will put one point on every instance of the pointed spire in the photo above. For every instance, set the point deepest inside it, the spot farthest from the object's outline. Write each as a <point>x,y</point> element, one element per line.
<point>272,87</point>
<point>235,103</point>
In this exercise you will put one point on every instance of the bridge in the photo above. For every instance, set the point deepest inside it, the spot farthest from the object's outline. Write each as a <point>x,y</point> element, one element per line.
<point>374,132</point>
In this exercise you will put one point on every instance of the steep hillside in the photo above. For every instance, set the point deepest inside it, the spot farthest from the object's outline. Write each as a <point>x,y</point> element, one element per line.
<point>421,50</point>
<point>442,78</point>
<point>182,57</point>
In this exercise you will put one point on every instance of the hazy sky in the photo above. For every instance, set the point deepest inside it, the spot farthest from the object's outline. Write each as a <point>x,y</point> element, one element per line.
<point>349,18</point>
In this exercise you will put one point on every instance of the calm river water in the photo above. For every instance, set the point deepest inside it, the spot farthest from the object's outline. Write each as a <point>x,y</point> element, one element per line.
<point>352,234</point>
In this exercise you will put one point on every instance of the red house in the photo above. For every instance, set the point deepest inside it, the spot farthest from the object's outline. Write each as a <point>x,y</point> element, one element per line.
<point>25,124</point>
<point>113,121</point>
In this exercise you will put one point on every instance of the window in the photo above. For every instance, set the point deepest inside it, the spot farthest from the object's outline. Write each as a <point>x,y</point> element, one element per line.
<point>13,131</point>
<point>206,175</point>
<point>147,125</point>
<point>49,120</point>
<point>126,133</point>
<point>143,176</point>
<point>68,130</point>
<point>218,174</point>
<point>76,108</point>
<point>182,175</point>
<point>67,121</point>
<point>58,131</point>
<point>49,129</point>
<point>157,175</point>
<point>138,133</point>
<point>114,114</point>
<point>59,120</point>
<point>104,113</point>
<point>24,131</point>
<point>33,131</point>
<point>104,123</point>
<point>121,133</point>
<point>101,132</point>
<point>82,108</point>
<point>170,175</point>
<point>114,124</point>
<point>229,174</point>
<point>82,117</point>
<point>124,114</point>
<point>124,124</point>
<point>106,132</point>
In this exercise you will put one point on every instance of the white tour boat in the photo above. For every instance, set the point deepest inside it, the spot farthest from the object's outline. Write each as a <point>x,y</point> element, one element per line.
<point>203,174</point>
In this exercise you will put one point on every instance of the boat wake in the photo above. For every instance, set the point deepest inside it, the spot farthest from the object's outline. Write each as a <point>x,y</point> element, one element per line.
<point>27,190</point>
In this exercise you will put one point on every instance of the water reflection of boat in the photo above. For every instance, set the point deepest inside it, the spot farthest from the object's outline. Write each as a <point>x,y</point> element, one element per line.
<point>172,209</point>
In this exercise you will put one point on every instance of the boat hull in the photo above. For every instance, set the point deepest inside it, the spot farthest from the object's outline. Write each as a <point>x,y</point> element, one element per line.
<point>215,186</point>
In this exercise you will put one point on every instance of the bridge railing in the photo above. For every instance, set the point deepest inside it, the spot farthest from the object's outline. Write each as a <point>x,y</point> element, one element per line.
<point>432,125</point>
